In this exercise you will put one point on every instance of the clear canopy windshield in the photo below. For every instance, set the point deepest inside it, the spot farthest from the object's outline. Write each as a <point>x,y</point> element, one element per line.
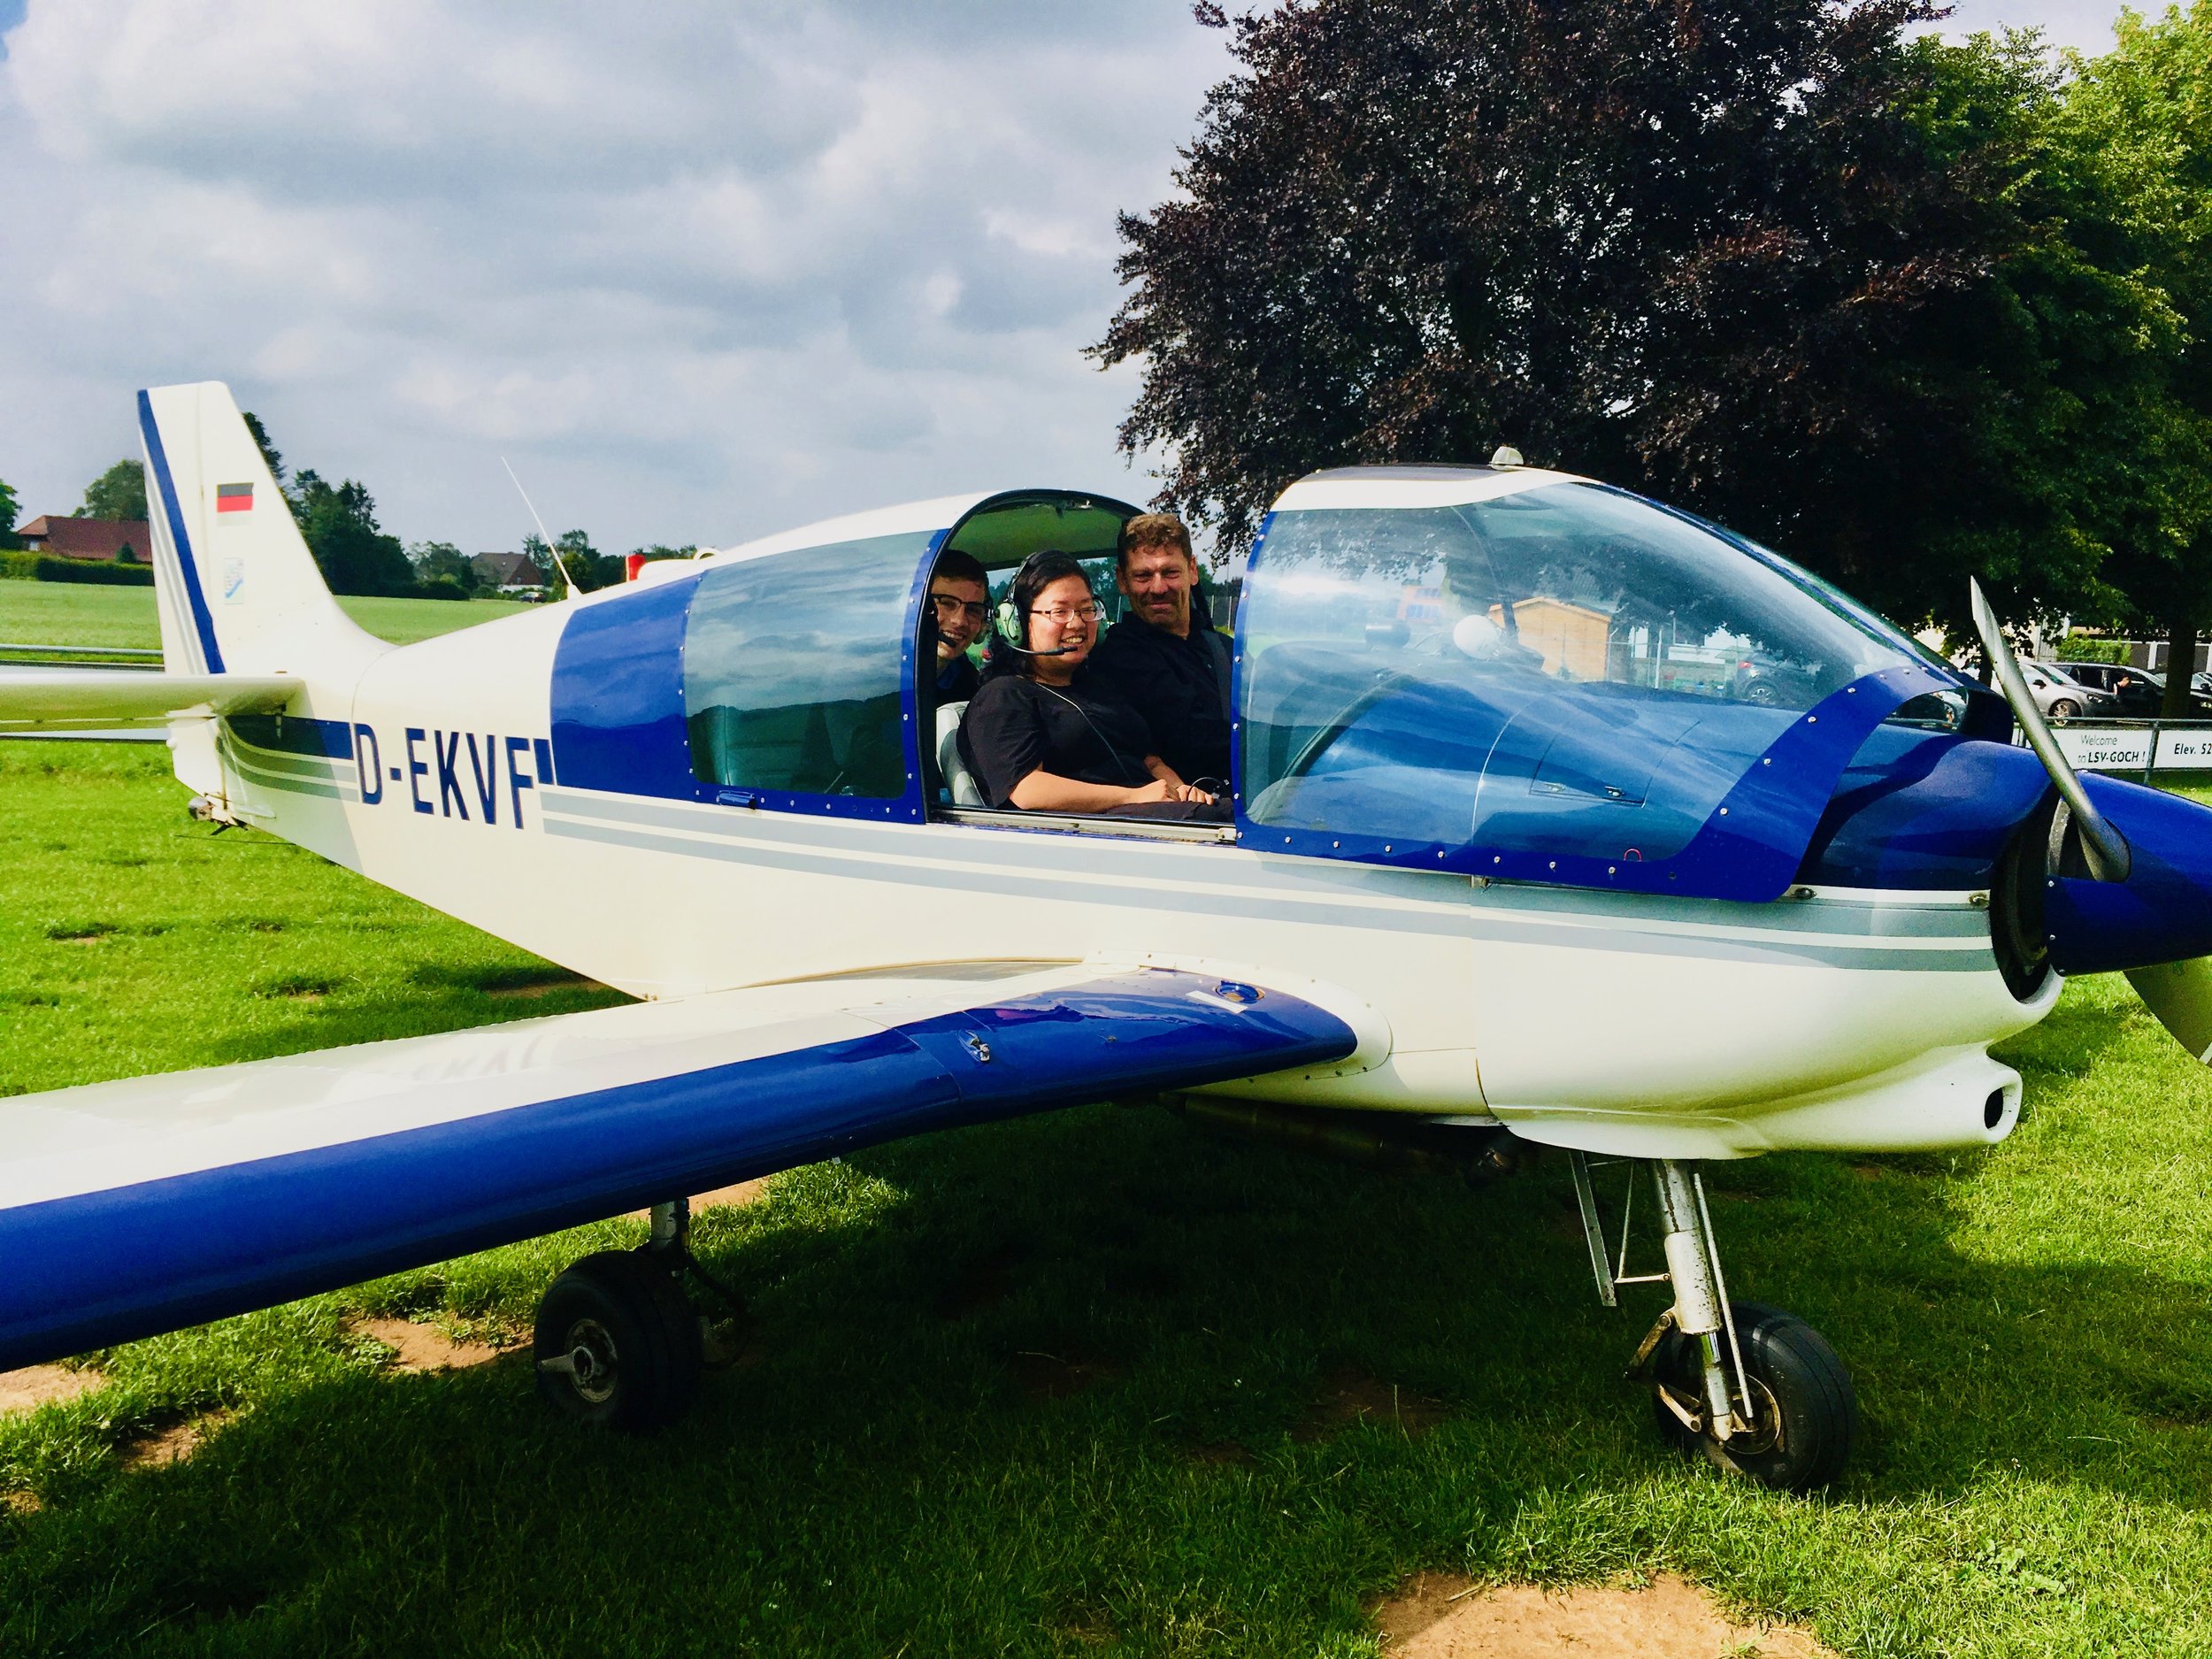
<point>1563,666</point>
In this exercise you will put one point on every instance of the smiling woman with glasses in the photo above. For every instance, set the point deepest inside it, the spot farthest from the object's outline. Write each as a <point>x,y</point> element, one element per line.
<point>1040,734</point>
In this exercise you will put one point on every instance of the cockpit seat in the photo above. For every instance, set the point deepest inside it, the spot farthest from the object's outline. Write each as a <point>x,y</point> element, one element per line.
<point>959,781</point>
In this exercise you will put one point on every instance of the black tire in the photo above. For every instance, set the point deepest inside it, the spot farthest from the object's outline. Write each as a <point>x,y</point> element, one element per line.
<point>2063,708</point>
<point>1762,694</point>
<point>1809,1416</point>
<point>622,1340</point>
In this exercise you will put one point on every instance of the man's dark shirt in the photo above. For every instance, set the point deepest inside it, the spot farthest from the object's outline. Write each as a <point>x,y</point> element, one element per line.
<point>956,680</point>
<point>1014,727</point>
<point>1180,687</point>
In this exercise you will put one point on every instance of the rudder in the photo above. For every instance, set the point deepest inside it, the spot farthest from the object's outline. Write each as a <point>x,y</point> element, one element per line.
<point>237,590</point>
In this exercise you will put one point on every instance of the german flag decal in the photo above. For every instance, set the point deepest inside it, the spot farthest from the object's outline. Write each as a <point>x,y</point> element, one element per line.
<point>234,498</point>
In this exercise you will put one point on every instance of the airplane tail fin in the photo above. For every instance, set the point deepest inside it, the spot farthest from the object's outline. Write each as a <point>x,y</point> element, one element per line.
<point>237,590</point>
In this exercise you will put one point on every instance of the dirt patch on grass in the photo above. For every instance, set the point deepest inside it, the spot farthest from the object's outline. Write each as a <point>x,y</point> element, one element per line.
<point>173,1444</point>
<point>720,1198</point>
<point>731,1197</point>
<point>523,990</point>
<point>1438,1616</point>
<point>1351,1396</point>
<point>981,1284</point>
<point>1056,1376</point>
<point>1222,1454</point>
<point>35,1385</point>
<point>97,936</point>
<point>424,1348</point>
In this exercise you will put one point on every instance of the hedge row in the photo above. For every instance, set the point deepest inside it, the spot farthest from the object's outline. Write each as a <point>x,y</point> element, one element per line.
<point>44,567</point>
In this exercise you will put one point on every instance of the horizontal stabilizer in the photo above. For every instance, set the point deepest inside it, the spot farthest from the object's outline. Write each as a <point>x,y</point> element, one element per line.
<point>75,699</point>
<point>138,1206</point>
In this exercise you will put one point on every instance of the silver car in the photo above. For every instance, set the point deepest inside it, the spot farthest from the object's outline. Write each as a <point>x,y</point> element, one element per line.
<point>2063,697</point>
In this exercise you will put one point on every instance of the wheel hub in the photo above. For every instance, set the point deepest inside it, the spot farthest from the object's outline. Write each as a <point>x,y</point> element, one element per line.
<point>592,1361</point>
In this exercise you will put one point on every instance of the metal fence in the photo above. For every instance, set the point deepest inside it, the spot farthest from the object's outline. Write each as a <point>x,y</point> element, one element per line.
<point>2144,747</point>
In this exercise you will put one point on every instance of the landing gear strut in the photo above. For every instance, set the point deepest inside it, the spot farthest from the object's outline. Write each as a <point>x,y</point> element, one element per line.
<point>1758,1390</point>
<point>619,1344</point>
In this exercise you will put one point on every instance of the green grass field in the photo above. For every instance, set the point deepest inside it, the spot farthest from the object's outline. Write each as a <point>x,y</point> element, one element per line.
<point>69,613</point>
<point>1064,1386</point>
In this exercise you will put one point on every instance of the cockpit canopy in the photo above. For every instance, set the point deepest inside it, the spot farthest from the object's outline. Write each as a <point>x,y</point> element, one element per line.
<point>1482,668</point>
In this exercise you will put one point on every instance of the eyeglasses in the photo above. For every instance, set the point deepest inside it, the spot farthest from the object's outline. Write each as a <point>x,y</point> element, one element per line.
<point>1061,616</point>
<point>949,605</point>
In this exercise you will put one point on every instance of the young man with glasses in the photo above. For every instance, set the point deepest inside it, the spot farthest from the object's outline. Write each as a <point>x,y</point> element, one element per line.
<point>958,596</point>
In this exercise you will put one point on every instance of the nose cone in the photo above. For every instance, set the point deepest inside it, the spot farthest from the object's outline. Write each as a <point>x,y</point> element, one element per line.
<point>2163,912</point>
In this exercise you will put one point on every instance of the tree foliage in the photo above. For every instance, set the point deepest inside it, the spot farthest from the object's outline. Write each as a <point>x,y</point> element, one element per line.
<point>10,506</point>
<point>442,562</point>
<point>2131,148</point>
<point>119,492</point>
<point>270,453</point>
<point>339,524</point>
<point>1773,260</point>
<point>592,569</point>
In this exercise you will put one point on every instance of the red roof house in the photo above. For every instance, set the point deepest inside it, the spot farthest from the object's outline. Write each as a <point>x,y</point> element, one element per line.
<point>98,539</point>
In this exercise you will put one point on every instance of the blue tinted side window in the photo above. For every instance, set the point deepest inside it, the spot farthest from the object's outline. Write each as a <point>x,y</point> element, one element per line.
<point>792,668</point>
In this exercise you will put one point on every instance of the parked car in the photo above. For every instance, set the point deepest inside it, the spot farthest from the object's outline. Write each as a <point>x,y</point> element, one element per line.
<point>2141,691</point>
<point>2130,686</point>
<point>2063,697</point>
<point>1773,682</point>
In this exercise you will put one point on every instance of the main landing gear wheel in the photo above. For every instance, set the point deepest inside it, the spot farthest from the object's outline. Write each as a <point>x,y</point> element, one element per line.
<point>1803,1415</point>
<point>617,1343</point>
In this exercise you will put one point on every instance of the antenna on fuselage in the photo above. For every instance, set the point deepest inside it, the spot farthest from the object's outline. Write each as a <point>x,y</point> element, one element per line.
<point>551,546</point>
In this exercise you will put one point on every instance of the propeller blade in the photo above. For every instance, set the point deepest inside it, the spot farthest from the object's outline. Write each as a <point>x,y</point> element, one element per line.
<point>2102,845</point>
<point>2180,993</point>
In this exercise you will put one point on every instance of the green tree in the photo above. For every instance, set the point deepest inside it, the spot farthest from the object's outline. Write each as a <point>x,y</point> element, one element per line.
<point>1723,250</point>
<point>339,524</point>
<point>10,506</point>
<point>270,453</point>
<point>2132,138</point>
<point>592,569</point>
<point>435,561</point>
<point>119,492</point>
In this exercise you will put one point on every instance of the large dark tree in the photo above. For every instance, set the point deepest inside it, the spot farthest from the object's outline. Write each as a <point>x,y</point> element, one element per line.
<point>339,524</point>
<point>1720,249</point>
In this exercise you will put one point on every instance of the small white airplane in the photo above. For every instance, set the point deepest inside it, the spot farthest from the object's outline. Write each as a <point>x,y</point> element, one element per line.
<point>1560,817</point>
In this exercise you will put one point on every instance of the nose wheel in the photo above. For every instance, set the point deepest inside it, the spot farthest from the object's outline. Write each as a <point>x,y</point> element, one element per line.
<point>1758,1390</point>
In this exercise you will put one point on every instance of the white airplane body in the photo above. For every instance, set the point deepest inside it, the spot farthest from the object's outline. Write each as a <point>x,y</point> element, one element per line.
<point>824,967</point>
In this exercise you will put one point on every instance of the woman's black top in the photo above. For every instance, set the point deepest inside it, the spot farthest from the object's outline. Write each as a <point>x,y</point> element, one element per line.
<point>1014,726</point>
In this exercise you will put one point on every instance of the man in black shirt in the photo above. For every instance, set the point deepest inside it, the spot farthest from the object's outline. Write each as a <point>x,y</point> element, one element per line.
<point>1165,658</point>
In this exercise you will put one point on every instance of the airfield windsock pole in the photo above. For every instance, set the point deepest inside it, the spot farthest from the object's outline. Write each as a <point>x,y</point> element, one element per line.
<point>550,546</point>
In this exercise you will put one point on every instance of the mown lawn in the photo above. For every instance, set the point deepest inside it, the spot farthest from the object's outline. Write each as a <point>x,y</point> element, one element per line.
<point>1069,1385</point>
<point>73,613</point>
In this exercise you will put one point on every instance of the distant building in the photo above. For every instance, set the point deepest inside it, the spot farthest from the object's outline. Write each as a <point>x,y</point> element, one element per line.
<point>100,540</point>
<point>506,571</point>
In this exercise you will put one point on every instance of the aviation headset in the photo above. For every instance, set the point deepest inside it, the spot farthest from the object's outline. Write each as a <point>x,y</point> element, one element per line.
<point>1013,626</point>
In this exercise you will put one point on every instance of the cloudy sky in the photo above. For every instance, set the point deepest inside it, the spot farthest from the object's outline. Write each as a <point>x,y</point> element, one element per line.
<point>703,275</point>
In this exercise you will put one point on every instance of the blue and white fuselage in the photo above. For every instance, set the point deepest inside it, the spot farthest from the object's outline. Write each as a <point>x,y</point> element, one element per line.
<point>1555,811</point>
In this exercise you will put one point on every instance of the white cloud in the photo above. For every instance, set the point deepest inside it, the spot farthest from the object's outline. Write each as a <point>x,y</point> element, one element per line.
<point>700,272</point>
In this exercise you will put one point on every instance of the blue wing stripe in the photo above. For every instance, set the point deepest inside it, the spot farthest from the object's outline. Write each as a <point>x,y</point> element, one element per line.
<point>87,1271</point>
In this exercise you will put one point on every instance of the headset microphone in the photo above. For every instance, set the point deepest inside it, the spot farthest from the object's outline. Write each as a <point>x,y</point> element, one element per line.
<point>1011,631</point>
